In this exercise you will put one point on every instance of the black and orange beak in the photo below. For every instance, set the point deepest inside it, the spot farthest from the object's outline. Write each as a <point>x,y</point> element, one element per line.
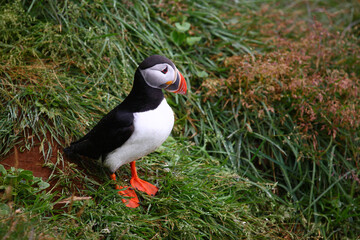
<point>178,85</point>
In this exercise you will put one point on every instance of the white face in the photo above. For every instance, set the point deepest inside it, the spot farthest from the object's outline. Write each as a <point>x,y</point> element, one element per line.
<point>159,76</point>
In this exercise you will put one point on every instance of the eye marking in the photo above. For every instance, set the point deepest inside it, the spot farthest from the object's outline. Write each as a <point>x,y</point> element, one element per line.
<point>165,70</point>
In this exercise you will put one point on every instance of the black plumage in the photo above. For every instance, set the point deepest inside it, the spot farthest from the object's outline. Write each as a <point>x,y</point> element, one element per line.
<point>117,126</point>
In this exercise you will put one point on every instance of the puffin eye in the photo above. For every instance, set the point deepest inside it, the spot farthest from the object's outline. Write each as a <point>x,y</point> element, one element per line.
<point>164,71</point>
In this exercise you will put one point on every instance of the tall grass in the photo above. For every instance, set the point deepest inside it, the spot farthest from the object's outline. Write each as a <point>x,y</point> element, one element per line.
<point>257,72</point>
<point>198,198</point>
<point>290,114</point>
<point>87,54</point>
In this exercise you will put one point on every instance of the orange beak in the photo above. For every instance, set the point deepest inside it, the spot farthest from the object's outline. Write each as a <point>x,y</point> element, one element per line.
<point>179,85</point>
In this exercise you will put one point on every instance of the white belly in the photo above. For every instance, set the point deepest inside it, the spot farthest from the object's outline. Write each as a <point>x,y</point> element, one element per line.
<point>151,129</point>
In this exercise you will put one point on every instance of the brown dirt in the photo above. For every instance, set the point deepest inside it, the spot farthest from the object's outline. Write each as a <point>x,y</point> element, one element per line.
<point>32,160</point>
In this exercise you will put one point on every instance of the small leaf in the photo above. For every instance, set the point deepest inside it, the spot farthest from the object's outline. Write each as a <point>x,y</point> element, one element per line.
<point>4,209</point>
<point>202,74</point>
<point>26,174</point>
<point>2,170</point>
<point>43,185</point>
<point>11,176</point>
<point>178,38</point>
<point>182,27</point>
<point>192,40</point>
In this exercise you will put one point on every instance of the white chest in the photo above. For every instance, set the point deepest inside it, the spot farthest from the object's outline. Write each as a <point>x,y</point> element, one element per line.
<point>151,129</point>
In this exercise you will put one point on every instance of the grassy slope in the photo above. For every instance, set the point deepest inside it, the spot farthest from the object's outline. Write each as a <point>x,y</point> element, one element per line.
<point>296,120</point>
<point>198,199</point>
<point>68,64</point>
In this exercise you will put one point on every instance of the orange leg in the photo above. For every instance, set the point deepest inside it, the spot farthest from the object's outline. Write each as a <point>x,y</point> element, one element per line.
<point>139,184</point>
<point>133,201</point>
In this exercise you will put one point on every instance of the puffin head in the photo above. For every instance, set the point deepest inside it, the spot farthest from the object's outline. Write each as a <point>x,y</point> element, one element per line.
<point>159,72</point>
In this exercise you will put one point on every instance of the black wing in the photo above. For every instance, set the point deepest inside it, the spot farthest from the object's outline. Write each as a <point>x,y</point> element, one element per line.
<point>110,133</point>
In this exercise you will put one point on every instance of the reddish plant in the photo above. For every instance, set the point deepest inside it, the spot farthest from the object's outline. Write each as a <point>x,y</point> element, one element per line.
<point>306,70</point>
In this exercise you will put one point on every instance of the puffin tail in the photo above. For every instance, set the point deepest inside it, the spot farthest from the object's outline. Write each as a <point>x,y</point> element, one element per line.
<point>71,153</point>
<point>82,148</point>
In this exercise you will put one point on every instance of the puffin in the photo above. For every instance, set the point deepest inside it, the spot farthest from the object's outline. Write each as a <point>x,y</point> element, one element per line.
<point>136,127</point>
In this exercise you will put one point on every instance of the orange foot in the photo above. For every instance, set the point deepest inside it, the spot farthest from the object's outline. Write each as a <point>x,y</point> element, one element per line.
<point>143,186</point>
<point>140,184</point>
<point>133,200</point>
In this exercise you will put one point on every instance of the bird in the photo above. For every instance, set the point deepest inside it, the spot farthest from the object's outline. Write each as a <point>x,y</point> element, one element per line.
<point>136,127</point>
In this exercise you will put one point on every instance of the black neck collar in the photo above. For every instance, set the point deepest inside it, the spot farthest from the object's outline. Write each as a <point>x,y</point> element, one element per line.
<point>142,97</point>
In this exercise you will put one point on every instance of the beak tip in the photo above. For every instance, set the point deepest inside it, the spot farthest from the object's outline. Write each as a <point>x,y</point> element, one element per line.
<point>182,86</point>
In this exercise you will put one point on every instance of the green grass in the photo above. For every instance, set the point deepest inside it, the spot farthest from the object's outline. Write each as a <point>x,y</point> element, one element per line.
<point>198,198</point>
<point>248,165</point>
